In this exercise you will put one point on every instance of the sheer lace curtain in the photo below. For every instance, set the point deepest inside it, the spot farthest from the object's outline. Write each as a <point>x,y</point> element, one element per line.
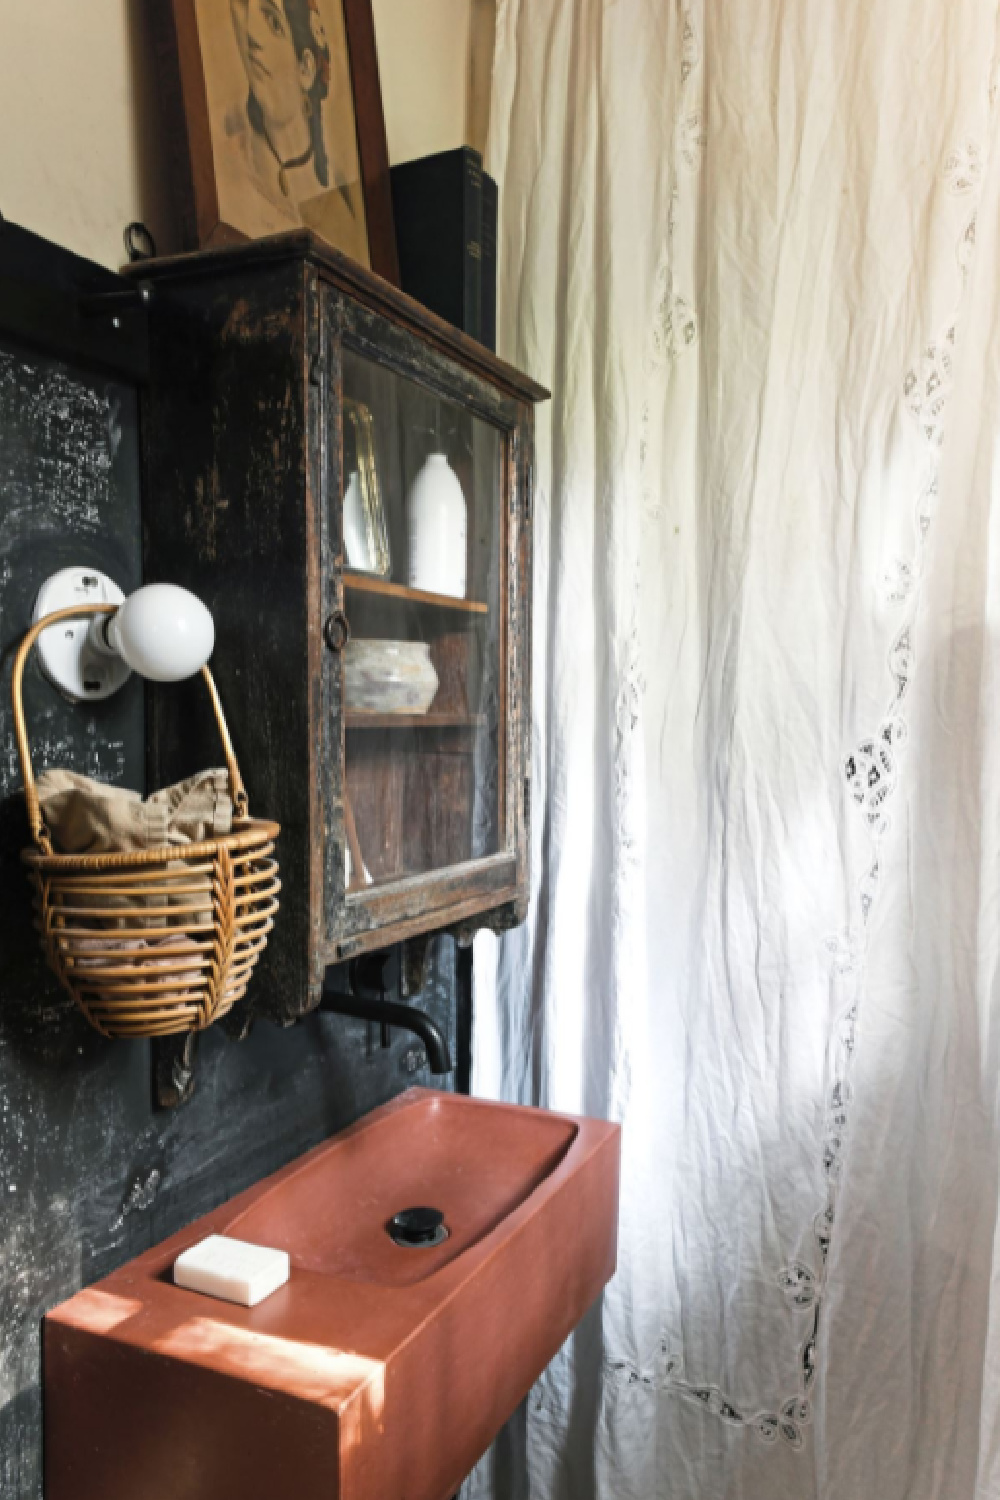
<point>754,251</point>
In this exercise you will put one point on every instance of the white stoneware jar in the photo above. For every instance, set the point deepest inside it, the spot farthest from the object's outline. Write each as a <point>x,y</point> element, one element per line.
<point>437,522</point>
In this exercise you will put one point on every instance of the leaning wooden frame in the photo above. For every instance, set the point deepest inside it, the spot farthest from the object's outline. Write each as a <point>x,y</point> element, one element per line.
<point>274,121</point>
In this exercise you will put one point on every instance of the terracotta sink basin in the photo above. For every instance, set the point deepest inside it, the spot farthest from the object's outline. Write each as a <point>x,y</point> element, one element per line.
<point>380,1371</point>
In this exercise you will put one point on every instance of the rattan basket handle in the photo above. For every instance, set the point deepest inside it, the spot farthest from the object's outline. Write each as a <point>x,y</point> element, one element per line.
<point>39,831</point>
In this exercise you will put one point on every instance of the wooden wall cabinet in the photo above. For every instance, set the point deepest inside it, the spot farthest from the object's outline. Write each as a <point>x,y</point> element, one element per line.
<point>278,370</point>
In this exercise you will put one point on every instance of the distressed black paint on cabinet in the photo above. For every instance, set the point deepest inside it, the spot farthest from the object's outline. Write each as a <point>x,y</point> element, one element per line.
<point>90,1174</point>
<point>243,463</point>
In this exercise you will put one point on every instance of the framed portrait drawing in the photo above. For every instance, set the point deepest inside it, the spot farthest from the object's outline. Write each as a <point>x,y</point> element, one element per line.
<point>274,118</point>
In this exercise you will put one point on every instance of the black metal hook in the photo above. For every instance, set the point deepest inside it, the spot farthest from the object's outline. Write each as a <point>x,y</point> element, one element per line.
<point>139,242</point>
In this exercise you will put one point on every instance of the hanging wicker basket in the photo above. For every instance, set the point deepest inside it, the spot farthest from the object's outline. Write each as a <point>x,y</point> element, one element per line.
<point>151,942</point>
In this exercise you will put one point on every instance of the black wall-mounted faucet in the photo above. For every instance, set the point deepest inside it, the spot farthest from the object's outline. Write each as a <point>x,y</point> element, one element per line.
<point>367,1006</point>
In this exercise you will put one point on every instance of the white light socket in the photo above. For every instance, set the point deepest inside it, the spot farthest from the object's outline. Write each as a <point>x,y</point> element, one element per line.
<point>68,653</point>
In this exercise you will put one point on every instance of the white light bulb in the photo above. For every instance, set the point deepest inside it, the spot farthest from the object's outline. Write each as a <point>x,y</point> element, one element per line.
<point>163,632</point>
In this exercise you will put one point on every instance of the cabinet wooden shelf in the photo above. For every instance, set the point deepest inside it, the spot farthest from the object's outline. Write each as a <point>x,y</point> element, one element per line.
<point>289,370</point>
<point>362,583</point>
<point>359,718</point>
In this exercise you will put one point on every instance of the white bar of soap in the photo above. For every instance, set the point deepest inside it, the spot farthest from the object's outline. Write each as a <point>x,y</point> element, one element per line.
<point>232,1270</point>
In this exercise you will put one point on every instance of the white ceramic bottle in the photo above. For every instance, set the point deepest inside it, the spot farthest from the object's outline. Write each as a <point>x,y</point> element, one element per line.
<point>437,521</point>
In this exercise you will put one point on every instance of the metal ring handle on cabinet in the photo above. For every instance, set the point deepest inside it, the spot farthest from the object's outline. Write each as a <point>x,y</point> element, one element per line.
<point>337,631</point>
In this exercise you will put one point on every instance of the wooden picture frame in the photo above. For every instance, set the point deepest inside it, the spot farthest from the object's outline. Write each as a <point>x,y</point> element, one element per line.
<point>312,153</point>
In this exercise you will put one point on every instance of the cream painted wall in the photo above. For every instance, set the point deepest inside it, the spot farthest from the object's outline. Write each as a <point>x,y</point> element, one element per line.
<point>79,126</point>
<point>82,150</point>
<point>423,48</point>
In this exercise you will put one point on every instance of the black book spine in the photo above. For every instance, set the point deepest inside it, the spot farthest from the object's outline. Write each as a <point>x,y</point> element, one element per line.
<point>472,255</point>
<point>437,203</point>
<point>488,299</point>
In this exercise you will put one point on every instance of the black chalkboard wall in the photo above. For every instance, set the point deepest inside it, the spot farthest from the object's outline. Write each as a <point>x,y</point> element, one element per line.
<point>90,1173</point>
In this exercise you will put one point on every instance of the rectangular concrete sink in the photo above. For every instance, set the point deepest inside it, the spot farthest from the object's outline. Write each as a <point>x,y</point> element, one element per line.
<point>380,1371</point>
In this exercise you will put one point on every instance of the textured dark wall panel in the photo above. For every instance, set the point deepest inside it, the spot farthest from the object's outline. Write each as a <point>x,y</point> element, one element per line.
<point>89,1174</point>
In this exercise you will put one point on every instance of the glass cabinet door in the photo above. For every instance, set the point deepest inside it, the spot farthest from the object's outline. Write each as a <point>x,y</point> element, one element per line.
<point>424,596</point>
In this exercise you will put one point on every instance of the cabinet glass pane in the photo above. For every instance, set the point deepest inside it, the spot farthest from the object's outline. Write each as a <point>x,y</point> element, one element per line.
<point>423,694</point>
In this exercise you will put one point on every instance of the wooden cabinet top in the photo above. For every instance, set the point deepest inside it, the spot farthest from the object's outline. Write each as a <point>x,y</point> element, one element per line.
<point>358,282</point>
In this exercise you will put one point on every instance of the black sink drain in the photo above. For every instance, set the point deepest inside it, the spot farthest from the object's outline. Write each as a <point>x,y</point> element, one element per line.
<point>417,1228</point>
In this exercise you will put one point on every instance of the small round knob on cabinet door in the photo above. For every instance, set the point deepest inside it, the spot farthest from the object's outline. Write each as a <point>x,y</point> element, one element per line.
<point>336,631</point>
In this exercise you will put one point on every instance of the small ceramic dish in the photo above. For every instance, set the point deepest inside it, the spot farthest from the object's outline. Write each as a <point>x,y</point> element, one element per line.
<point>389,677</point>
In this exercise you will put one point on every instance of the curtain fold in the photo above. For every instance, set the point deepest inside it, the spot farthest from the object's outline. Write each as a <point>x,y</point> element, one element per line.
<point>753,251</point>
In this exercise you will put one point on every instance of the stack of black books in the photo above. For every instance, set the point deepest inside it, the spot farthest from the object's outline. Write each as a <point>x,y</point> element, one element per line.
<point>445,208</point>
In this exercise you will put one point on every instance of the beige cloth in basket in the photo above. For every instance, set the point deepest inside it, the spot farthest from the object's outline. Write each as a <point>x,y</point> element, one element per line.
<point>89,817</point>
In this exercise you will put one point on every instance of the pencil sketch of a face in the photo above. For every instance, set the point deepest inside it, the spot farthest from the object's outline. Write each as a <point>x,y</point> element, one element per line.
<point>282,118</point>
